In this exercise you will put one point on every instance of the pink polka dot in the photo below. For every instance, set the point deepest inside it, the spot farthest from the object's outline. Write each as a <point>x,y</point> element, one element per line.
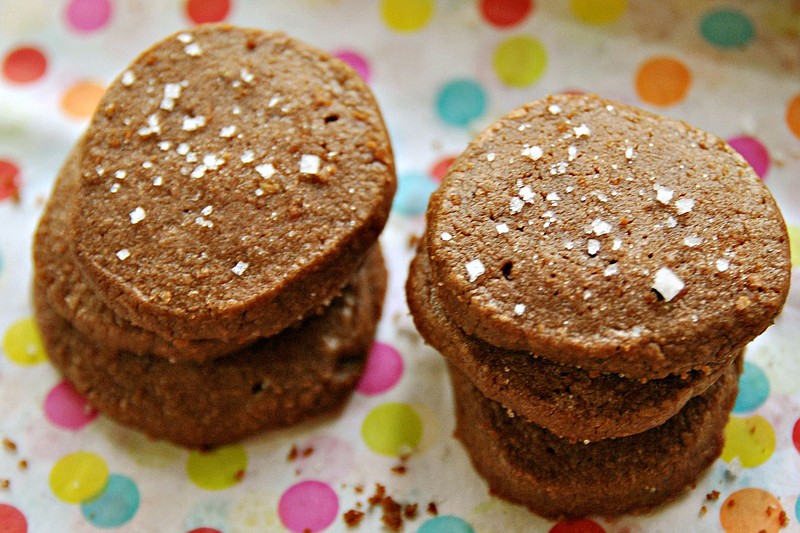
<point>754,152</point>
<point>66,408</point>
<point>204,530</point>
<point>308,506</point>
<point>441,166</point>
<point>355,60</point>
<point>88,15</point>
<point>384,369</point>
<point>12,520</point>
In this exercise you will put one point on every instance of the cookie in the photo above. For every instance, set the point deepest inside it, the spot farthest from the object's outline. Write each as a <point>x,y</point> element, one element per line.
<point>528,465</point>
<point>299,374</point>
<point>599,235</point>
<point>567,401</point>
<point>68,294</point>
<point>231,181</point>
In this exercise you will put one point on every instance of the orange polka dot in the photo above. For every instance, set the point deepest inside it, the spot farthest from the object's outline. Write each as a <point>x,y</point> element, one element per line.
<point>793,115</point>
<point>749,510</point>
<point>663,81</point>
<point>80,100</point>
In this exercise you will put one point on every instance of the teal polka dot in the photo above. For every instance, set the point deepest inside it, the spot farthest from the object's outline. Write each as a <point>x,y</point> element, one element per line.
<point>727,28</point>
<point>113,507</point>
<point>445,524</point>
<point>753,389</point>
<point>797,509</point>
<point>460,102</point>
<point>413,191</point>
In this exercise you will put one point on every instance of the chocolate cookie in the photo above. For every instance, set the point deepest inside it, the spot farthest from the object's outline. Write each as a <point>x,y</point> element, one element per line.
<point>568,401</point>
<point>301,373</point>
<point>231,182</point>
<point>555,478</point>
<point>599,235</point>
<point>68,294</point>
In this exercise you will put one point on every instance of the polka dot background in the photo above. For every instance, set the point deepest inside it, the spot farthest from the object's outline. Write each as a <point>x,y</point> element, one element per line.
<point>441,72</point>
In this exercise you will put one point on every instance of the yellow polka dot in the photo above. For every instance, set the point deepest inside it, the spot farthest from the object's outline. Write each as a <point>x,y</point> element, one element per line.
<point>80,100</point>
<point>749,510</point>
<point>217,469</point>
<point>406,15</point>
<point>78,477</point>
<point>598,11</point>
<point>392,429</point>
<point>663,81</point>
<point>520,61</point>
<point>751,439</point>
<point>22,343</point>
<point>794,244</point>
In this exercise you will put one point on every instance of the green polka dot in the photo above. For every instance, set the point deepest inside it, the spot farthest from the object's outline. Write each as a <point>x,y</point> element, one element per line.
<point>392,429</point>
<point>217,469</point>
<point>727,28</point>
<point>22,343</point>
<point>520,61</point>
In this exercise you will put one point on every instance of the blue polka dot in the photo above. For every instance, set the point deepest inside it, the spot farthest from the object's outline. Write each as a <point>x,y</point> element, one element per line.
<point>117,504</point>
<point>413,191</point>
<point>797,509</point>
<point>460,102</point>
<point>753,389</point>
<point>445,524</point>
<point>727,28</point>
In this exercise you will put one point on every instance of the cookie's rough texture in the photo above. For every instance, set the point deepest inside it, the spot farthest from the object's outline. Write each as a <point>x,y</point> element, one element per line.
<point>70,296</point>
<point>566,400</point>
<point>554,478</point>
<point>603,236</point>
<point>224,173</point>
<point>281,380</point>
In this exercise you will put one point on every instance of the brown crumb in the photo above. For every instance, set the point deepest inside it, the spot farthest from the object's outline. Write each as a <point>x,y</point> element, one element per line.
<point>9,444</point>
<point>352,517</point>
<point>770,509</point>
<point>5,483</point>
<point>731,502</point>
<point>292,453</point>
<point>307,451</point>
<point>239,475</point>
<point>410,511</point>
<point>783,519</point>
<point>413,241</point>
<point>392,514</point>
<point>358,489</point>
<point>432,510</point>
<point>399,469</point>
<point>703,510</point>
<point>23,464</point>
<point>712,496</point>
<point>377,498</point>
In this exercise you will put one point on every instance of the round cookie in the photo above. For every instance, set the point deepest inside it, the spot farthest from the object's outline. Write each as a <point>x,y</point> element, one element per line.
<point>68,294</point>
<point>231,182</point>
<point>526,464</point>
<point>603,236</point>
<point>282,380</point>
<point>567,401</point>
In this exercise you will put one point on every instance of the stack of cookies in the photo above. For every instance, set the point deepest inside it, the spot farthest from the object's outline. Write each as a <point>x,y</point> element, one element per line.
<point>592,272</point>
<point>207,266</point>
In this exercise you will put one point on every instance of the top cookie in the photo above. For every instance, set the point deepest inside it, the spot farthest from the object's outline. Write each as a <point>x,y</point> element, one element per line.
<point>599,235</point>
<point>231,182</point>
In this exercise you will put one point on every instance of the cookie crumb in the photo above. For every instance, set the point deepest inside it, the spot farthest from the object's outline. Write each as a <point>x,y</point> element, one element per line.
<point>712,496</point>
<point>432,509</point>
<point>9,445</point>
<point>353,517</point>
<point>5,484</point>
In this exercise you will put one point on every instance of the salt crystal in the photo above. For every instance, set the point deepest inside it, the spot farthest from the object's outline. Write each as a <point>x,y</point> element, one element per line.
<point>185,38</point>
<point>554,109</point>
<point>128,77</point>
<point>193,123</point>
<point>629,153</point>
<point>519,309</point>
<point>684,205</point>
<point>193,49</point>
<point>158,181</point>
<point>446,236</point>
<point>207,210</point>
<point>248,156</point>
<point>671,222</point>
<point>120,174</point>
<point>617,244</point>
<point>600,227</point>
<point>692,241</point>
<point>582,131</point>
<point>227,132</point>
<point>475,268</point>
<point>527,194</point>
<point>534,152</point>
<point>663,194</point>
<point>611,269</point>
<point>309,164</point>
<point>553,197</point>
<point>667,283</point>
<point>593,247</point>
<point>198,172</point>
<point>239,268</point>
<point>723,265</point>
<point>246,75</point>
<point>123,254</point>
<point>516,205</point>
<point>572,152</point>
<point>152,127</point>
<point>165,145</point>
<point>137,215</point>
<point>490,157</point>
<point>266,170</point>
<point>114,188</point>
<point>501,228</point>
<point>212,162</point>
